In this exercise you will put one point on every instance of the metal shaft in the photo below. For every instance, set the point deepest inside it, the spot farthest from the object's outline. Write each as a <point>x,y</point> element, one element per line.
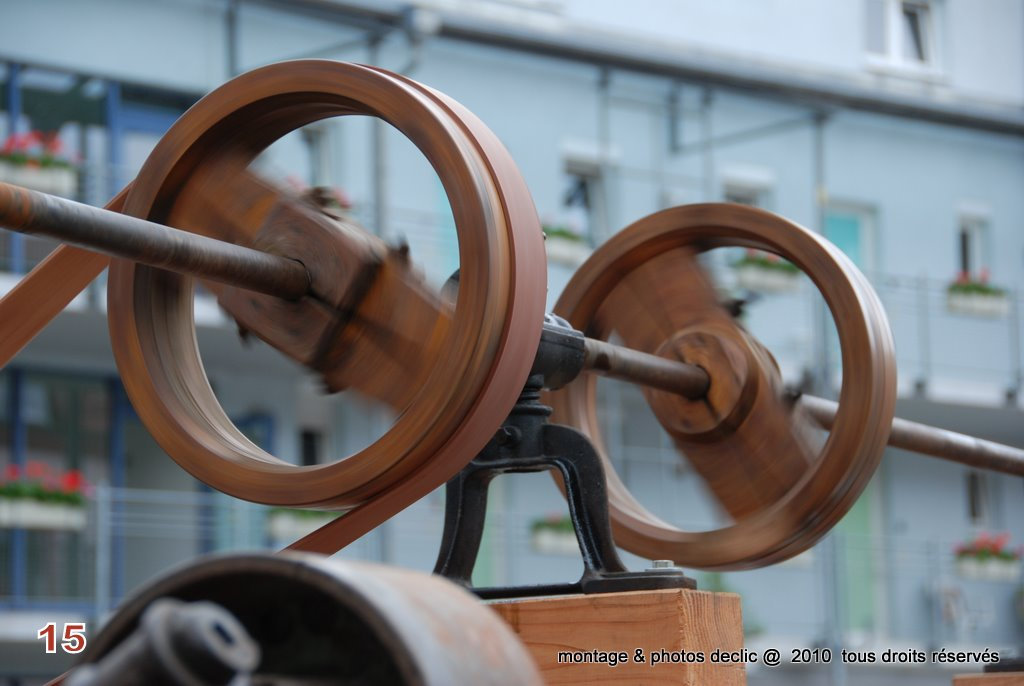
<point>645,369</point>
<point>933,441</point>
<point>692,382</point>
<point>120,235</point>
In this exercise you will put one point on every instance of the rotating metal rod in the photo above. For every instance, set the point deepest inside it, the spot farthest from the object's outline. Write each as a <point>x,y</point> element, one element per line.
<point>933,441</point>
<point>616,362</point>
<point>692,382</point>
<point>120,235</point>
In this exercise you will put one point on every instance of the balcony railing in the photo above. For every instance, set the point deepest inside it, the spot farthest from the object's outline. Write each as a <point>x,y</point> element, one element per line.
<point>891,590</point>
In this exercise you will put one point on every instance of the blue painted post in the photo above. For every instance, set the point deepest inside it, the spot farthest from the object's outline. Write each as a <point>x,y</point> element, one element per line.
<point>119,412</point>
<point>115,137</point>
<point>13,97</point>
<point>19,449</point>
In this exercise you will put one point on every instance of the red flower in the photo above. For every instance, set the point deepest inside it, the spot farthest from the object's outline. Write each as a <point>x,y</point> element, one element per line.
<point>962,277</point>
<point>72,482</point>
<point>11,472</point>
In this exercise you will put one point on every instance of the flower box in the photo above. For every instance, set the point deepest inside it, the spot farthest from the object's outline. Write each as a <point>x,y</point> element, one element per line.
<point>978,304</point>
<point>987,558</point>
<point>27,513</point>
<point>569,252</point>
<point>992,569</point>
<point>56,180</point>
<point>38,497</point>
<point>766,273</point>
<point>554,535</point>
<point>552,542</point>
<point>754,278</point>
<point>291,525</point>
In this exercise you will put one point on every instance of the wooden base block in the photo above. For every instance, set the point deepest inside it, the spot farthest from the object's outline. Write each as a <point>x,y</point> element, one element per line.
<point>574,638</point>
<point>991,679</point>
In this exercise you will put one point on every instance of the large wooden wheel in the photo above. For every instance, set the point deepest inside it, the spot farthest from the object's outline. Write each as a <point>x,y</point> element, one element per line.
<point>480,350</point>
<point>744,438</point>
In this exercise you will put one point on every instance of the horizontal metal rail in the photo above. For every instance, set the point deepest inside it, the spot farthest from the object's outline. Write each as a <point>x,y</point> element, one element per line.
<point>120,235</point>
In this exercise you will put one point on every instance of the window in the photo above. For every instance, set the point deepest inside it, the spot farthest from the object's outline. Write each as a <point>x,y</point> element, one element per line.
<point>972,248</point>
<point>916,30</point>
<point>310,441</point>
<point>583,202</point>
<point>902,33</point>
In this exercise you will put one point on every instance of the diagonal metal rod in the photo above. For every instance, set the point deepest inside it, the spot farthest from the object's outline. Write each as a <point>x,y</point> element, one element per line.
<point>120,235</point>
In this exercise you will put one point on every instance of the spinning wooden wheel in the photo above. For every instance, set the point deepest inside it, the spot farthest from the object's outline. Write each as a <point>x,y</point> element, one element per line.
<point>340,301</point>
<point>742,436</point>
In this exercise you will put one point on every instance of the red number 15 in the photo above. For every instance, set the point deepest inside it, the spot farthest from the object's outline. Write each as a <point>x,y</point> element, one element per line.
<point>73,640</point>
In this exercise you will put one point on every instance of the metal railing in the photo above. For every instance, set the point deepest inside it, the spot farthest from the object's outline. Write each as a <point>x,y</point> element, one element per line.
<point>890,589</point>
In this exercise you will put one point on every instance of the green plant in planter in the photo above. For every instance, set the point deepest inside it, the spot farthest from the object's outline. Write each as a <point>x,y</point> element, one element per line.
<point>39,482</point>
<point>965,285</point>
<point>563,233</point>
<point>302,514</point>
<point>557,523</point>
<point>763,260</point>
<point>985,547</point>
<point>34,148</point>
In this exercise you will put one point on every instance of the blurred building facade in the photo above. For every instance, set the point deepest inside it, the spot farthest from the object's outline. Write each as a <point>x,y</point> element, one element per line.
<point>893,127</point>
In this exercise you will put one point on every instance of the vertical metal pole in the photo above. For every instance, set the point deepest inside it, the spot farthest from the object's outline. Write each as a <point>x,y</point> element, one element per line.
<point>17,241</point>
<point>115,137</point>
<point>673,109</point>
<point>119,410</point>
<point>231,38</point>
<point>1013,393</point>
<point>104,552</point>
<point>824,362</point>
<point>934,627</point>
<point>834,619</point>
<point>923,335</point>
<point>707,149</point>
<point>603,216</point>
<point>19,449</point>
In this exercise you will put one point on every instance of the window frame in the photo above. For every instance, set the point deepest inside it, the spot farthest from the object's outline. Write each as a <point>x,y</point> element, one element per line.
<point>892,59</point>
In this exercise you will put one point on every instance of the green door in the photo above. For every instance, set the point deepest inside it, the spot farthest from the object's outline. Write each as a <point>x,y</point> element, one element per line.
<point>848,230</point>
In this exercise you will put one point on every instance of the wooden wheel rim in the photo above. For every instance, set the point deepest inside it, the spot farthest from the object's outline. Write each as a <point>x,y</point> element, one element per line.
<point>494,332</point>
<point>855,445</point>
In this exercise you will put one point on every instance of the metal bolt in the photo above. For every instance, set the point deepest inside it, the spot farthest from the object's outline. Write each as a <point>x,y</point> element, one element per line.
<point>662,564</point>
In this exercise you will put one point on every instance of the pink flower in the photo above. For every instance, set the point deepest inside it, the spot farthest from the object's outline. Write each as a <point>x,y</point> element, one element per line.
<point>962,278</point>
<point>344,202</point>
<point>983,275</point>
<point>36,470</point>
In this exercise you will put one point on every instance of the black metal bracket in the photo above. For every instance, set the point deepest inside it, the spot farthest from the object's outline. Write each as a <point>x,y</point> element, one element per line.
<point>525,443</point>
